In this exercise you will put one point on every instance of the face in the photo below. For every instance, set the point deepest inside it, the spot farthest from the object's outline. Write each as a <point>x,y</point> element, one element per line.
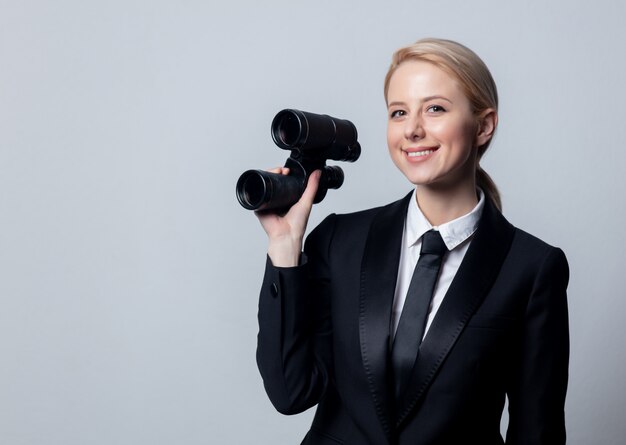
<point>432,133</point>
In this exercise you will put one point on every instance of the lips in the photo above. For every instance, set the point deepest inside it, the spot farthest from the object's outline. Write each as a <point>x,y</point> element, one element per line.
<point>419,152</point>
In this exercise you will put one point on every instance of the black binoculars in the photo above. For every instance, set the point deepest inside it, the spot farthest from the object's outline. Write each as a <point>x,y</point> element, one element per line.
<point>312,139</point>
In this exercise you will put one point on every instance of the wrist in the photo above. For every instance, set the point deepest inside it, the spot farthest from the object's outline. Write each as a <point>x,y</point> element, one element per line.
<point>285,252</point>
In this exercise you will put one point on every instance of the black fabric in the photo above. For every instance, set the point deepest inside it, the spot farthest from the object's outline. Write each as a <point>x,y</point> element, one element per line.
<point>501,331</point>
<point>416,307</point>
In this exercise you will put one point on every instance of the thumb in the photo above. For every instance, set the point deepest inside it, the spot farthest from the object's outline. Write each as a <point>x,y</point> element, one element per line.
<point>312,185</point>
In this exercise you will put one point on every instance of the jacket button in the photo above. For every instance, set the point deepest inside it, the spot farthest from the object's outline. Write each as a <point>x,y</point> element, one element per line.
<point>274,290</point>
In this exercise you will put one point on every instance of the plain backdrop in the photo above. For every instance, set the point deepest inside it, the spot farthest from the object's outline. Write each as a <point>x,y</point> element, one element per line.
<point>129,274</point>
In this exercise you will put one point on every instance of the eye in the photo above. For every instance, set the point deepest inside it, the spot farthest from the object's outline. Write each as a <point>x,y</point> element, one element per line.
<point>435,109</point>
<point>397,113</point>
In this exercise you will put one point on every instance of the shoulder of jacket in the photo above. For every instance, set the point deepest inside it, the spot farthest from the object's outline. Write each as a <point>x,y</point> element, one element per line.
<point>351,226</point>
<point>532,243</point>
<point>367,214</point>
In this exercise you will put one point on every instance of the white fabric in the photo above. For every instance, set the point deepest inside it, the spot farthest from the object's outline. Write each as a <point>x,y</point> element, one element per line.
<point>457,235</point>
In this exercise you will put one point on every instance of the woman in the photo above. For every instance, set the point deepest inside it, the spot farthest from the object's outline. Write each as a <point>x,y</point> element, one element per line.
<point>397,351</point>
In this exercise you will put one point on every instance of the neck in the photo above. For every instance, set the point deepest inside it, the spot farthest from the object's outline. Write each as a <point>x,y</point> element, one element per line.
<point>441,205</point>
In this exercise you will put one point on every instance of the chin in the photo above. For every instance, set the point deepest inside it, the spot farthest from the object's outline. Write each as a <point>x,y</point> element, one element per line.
<point>421,181</point>
<point>419,178</point>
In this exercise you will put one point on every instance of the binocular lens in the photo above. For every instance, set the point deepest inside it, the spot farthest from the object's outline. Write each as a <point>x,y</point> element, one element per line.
<point>289,129</point>
<point>251,190</point>
<point>261,190</point>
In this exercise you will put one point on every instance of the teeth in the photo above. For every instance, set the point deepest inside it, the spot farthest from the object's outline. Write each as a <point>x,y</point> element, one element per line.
<point>419,153</point>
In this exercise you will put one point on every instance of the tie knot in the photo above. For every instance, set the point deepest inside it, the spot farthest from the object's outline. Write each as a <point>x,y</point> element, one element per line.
<point>432,243</point>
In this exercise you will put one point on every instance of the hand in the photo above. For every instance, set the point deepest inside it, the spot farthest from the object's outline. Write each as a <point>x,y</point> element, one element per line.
<point>286,232</point>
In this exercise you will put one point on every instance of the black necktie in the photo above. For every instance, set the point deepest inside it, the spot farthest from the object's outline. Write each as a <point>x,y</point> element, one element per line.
<point>415,312</point>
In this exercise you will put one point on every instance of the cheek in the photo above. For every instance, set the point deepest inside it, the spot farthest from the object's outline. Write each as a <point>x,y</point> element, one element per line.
<point>460,135</point>
<point>468,134</point>
<point>392,137</point>
<point>446,132</point>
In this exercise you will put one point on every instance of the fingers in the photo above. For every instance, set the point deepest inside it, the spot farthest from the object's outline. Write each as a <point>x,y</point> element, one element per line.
<point>279,170</point>
<point>311,189</point>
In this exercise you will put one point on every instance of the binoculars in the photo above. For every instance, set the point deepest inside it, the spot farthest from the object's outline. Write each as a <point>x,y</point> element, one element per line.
<point>312,139</point>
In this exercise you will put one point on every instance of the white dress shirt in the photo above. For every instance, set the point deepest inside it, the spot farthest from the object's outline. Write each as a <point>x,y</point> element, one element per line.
<point>457,235</point>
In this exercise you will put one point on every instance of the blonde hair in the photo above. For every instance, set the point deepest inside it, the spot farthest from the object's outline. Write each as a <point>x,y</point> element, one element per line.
<point>475,79</point>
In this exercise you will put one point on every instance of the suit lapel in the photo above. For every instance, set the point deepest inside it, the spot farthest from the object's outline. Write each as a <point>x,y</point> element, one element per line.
<point>379,270</point>
<point>471,283</point>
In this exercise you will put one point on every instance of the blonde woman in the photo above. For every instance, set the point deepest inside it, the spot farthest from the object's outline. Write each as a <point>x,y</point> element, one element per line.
<point>411,323</point>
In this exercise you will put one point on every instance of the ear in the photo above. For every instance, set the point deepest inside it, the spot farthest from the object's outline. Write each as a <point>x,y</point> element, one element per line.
<point>487,123</point>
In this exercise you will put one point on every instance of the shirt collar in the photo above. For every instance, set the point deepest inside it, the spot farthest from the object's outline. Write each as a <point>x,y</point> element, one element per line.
<point>453,232</point>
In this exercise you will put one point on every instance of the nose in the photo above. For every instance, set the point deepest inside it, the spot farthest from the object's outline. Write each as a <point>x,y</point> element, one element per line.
<point>413,129</point>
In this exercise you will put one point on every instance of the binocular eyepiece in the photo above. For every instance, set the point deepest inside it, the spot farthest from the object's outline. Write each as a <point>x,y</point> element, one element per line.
<point>312,139</point>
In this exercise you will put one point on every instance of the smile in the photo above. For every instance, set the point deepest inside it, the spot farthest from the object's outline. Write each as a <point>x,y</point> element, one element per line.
<point>419,153</point>
<point>414,154</point>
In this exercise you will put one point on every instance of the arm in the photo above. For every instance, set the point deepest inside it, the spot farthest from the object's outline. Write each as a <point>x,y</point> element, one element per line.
<point>293,347</point>
<point>540,371</point>
<point>294,351</point>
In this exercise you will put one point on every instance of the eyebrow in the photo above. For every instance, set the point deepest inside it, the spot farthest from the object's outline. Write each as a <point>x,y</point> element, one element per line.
<point>425,99</point>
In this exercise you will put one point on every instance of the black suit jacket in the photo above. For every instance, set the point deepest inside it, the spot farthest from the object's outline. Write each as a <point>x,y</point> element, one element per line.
<point>324,338</point>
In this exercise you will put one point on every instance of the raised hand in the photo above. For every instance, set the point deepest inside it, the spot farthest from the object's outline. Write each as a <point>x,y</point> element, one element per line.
<point>286,232</point>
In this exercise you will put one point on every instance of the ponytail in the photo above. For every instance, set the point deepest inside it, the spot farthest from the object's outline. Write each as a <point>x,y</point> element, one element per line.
<point>484,181</point>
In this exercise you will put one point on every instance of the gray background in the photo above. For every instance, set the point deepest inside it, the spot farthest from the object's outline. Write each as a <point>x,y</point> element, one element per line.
<point>128,272</point>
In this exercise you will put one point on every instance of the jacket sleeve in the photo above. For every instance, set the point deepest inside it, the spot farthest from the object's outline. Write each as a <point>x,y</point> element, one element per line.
<point>540,369</point>
<point>294,351</point>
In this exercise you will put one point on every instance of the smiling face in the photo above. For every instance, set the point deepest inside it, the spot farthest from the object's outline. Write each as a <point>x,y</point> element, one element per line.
<point>432,132</point>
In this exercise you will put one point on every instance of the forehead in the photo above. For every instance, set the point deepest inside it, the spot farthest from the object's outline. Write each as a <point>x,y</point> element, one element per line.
<point>417,78</point>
